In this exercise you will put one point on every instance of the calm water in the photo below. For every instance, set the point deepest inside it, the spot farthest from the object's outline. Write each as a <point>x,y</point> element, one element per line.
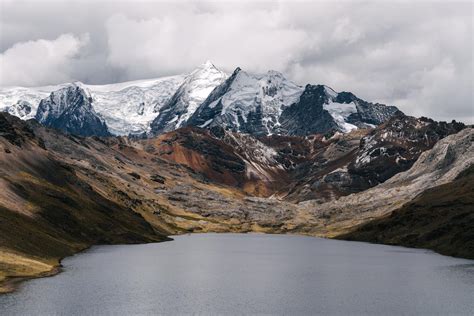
<point>248,274</point>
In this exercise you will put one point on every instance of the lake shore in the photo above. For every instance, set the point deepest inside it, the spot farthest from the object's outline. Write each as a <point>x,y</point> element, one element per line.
<point>11,282</point>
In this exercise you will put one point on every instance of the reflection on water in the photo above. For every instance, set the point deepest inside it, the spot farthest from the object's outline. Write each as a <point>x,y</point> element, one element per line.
<point>249,274</point>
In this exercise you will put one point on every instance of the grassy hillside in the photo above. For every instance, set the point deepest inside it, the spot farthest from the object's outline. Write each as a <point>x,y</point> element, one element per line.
<point>61,220</point>
<point>47,212</point>
<point>441,219</point>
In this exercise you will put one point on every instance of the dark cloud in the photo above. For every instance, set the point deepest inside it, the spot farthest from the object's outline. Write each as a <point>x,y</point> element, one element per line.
<point>416,55</point>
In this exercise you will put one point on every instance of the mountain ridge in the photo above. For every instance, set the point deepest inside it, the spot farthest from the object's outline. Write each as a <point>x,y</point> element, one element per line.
<point>244,102</point>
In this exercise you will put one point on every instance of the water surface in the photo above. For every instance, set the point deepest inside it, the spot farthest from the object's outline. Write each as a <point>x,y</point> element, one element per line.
<point>249,274</point>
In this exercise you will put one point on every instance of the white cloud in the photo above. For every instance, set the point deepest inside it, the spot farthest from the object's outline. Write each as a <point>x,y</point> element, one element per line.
<point>41,61</point>
<point>177,43</point>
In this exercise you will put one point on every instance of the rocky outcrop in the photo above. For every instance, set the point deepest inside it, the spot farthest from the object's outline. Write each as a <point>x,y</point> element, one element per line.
<point>21,109</point>
<point>308,116</point>
<point>367,113</point>
<point>70,110</point>
<point>440,218</point>
<point>394,147</point>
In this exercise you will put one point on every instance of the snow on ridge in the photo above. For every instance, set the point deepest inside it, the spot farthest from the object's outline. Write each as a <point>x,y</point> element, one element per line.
<point>143,83</point>
<point>330,92</point>
<point>272,91</point>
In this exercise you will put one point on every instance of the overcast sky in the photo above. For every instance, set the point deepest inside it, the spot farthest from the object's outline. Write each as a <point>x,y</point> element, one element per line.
<point>416,55</point>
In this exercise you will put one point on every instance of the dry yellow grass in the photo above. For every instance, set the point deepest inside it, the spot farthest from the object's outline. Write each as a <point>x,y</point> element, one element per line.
<point>14,266</point>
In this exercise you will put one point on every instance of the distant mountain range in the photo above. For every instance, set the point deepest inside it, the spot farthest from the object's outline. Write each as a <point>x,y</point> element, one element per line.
<point>242,102</point>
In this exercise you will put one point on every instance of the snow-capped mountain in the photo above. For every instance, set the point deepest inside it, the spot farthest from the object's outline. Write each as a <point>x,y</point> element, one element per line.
<point>271,104</point>
<point>248,103</point>
<point>127,107</point>
<point>70,109</point>
<point>320,109</point>
<point>242,102</point>
<point>193,91</point>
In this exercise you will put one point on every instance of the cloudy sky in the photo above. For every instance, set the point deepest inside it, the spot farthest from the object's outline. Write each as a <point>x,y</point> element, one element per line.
<point>416,55</point>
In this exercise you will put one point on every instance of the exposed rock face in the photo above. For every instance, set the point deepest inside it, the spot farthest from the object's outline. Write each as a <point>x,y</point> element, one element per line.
<point>367,113</point>
<point>200,152</point>
<point>321,110</point>
<point>308,116</point>
<point>395,145</point>
<point>70,110</point>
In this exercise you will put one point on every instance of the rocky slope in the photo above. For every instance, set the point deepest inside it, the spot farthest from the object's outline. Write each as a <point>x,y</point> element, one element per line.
<point>440,218</point>
<point>394,146</point>
<point>47,211</point>
<point>442,164</point>
<point>62,193</point>
<point>298,169</point>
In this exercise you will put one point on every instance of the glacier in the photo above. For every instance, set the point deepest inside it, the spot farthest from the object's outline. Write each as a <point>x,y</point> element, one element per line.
<point>262,104</point>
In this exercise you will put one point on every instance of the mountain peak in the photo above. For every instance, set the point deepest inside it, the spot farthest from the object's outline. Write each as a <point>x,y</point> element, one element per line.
<point>80,86</point>
<point>205,71</point>
<point>193,91</point>
<point>208,64</point>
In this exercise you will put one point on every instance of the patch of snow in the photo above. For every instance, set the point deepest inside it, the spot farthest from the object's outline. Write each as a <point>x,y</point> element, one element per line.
<point>340,112</point>
<point>342,169</point>
<point>206,123</point>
